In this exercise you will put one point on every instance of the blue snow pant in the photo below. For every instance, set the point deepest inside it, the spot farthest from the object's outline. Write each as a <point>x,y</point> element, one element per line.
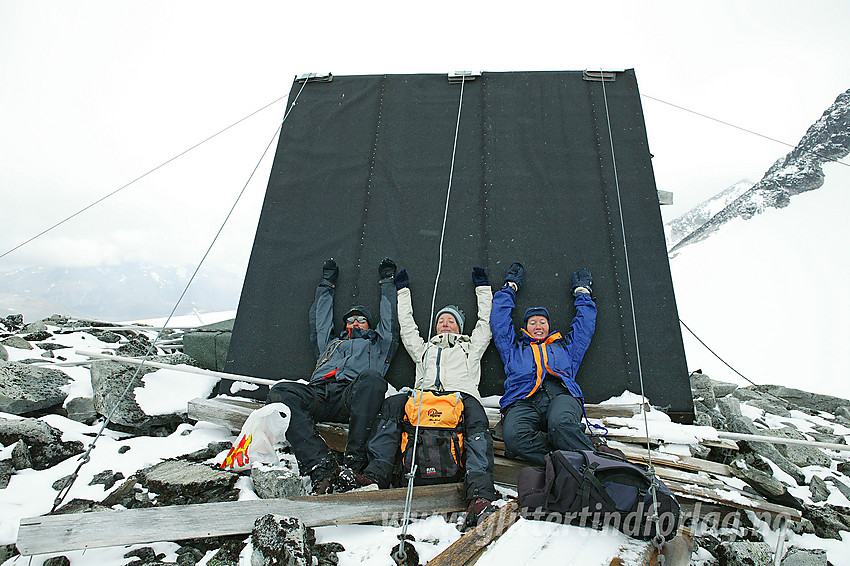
<point>548,420</point>
<point>384,447</point>
<point>356,402</point>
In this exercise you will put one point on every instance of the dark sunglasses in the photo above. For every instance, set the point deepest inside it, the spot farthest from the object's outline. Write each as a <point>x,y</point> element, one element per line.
<point>353,319</point>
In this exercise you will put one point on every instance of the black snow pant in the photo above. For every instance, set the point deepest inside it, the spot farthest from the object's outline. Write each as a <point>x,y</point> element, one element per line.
<point>548,420</point>
<point>384,447</point>
<point>356,403</point>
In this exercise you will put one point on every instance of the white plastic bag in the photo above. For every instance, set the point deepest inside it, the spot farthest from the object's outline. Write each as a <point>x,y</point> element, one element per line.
<point>255,444</point>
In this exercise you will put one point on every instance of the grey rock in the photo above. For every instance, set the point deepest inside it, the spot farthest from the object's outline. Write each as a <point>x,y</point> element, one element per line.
<point>79,506</point>
<point>746,394</point>
<point>81,409</point>
<point>744,553</point>
<point>39,336</point>
<point>830,438</point>
<point>729,407</point>
<point>107,478</point>
<point>723,388</point>
<point>7,469</point>
<point>212,450</point>
<point>7,551</point>
<point>109,380</point>
<point>760,481</point>
<point>177,482</point>
<point>845,491</point>
<point>797,454</point>
<point>24,388</point>
<point>828,520</point>
<point>818,489</point>
<point>702,389</point>
<point>806,400</point>
<point>276,482</point>
<point>740,423</point>
<point>769,406</point>
<point>21,456</point>
<point>280,541</point>
<point>17,342</point>
<point>4,355</point>
<point>45,444</point>
<point>32,327</point>
<point>797,556</point>
<point>209,344</point>
<point>60,560</point>
<point>843,413</point>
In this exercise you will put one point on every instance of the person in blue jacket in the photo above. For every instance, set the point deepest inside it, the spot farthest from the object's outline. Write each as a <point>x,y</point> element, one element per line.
<point>543,405</point>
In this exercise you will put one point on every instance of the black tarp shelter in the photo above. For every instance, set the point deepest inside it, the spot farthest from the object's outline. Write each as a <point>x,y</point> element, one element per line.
<point>362,172</point>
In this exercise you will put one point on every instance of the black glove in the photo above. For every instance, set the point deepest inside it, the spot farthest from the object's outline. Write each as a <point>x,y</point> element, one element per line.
<point>401,279</point>
<point>515,274</point>
<point>479,277</point>
<point>330,271</point>
<point>581,278</point>
<point>386,269</point>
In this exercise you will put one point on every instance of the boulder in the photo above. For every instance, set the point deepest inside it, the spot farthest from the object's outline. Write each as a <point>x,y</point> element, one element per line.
<point>25,389</point>
<point>723,388</point>
<point>798,454</point>
<point>280,541</point>
<point>4,355</point>
<point>736,422</point>
<point>209,344</point>
<point>44,443</point>
<point>744,553</point>
<point>702,389</point>
<point>17,342</point>
<point>276,482</point>
<point>818,489</point>
<point>764,484</point>
<point>806,400</point>
<point>797,556</point>
<point>7,469</point>
<point>109,381</point>
<point>81,409</point>
<point>177,482</point>
<point>828,520</point>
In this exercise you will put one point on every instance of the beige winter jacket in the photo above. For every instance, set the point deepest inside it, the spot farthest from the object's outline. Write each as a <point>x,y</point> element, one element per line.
<point>454,360</point>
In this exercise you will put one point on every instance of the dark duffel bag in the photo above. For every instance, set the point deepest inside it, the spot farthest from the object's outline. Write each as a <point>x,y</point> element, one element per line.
<point>585,488</point>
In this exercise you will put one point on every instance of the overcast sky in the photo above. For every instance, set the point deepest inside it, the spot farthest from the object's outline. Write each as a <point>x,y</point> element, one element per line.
<point>95,93</point>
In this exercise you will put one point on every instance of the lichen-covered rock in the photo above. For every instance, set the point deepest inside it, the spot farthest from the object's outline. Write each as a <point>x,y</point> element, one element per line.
<point>798,454</point>
<point>280,541</point>
<point>702,389</point>
<point>17,342</point>
<point>44,443</point>
<point>797,556</point>
<point>25,389</point>
<point>818,489</point>
<point>276,482</point>
<point>744,553</point>
<point>177,482</point>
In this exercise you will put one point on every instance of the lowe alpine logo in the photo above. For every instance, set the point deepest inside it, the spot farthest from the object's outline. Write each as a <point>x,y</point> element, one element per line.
<point>434,414</point>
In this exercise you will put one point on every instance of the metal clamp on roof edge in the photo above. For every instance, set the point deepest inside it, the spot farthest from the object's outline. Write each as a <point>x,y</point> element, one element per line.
<point>599,76</point>
<point>315,78</point>
<point>461,76</point>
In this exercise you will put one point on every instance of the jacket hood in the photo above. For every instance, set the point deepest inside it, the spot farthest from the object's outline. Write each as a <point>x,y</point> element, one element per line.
<point>361,310</point>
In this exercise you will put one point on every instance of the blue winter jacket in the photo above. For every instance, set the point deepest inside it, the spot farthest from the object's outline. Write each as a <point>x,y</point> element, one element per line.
<point>528,361</point>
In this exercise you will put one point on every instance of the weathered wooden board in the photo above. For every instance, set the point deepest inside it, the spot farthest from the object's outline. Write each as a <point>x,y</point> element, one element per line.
<point>733,499</point>
<point>689,463</point>
<point>58,533</point>
<point>466,548</point>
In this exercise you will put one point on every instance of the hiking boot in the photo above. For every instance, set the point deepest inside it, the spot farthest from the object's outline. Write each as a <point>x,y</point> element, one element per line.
<point>601,447</point>
<point>324,477</point>
<point>478,510</point>
<point>348,479</point>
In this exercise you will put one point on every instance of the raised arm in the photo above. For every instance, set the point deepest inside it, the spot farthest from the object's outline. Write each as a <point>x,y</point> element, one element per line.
<point>481,334</point>
<point>584,323</point>
<point>410,337</point>
<point>322,310</point>
<point>388,326</point>
<point>503,306</point>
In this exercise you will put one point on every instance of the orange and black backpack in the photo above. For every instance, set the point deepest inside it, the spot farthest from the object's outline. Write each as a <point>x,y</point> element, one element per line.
<point>439,449</point>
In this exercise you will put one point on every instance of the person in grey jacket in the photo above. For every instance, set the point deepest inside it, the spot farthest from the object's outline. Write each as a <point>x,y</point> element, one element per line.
<point>347,385</point>
<point>449,362</point>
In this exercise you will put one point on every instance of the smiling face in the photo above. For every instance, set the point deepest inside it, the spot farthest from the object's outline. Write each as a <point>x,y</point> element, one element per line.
<point>447,323</point>
<point>538,327</point>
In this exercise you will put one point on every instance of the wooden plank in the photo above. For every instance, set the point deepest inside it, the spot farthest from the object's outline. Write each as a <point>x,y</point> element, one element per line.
<point>688,463</point>
<point>466,549</point>
<point>58,533</point>
<point>734,499</point>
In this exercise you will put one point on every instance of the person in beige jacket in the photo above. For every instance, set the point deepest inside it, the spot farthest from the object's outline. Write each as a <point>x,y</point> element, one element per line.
<point>450,362</point>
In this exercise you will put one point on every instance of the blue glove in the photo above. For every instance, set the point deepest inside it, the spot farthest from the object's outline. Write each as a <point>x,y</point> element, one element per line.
<point>402,281</point>
<point>479,277</point>
<point>329,272</point>
<point>386,269</point>
<point>581,278</point>
<point>515,274</point>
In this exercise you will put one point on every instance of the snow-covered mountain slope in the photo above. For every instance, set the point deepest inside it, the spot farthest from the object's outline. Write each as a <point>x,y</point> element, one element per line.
<point>683,225</point>
<point>770,294</point>
<point>800,171</point>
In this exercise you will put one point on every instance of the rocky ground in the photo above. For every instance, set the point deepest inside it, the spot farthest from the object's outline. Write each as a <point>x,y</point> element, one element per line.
<point>50,412</point>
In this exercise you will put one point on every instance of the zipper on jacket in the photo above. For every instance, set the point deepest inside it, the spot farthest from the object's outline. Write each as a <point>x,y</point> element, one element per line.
<point>437,383</point>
